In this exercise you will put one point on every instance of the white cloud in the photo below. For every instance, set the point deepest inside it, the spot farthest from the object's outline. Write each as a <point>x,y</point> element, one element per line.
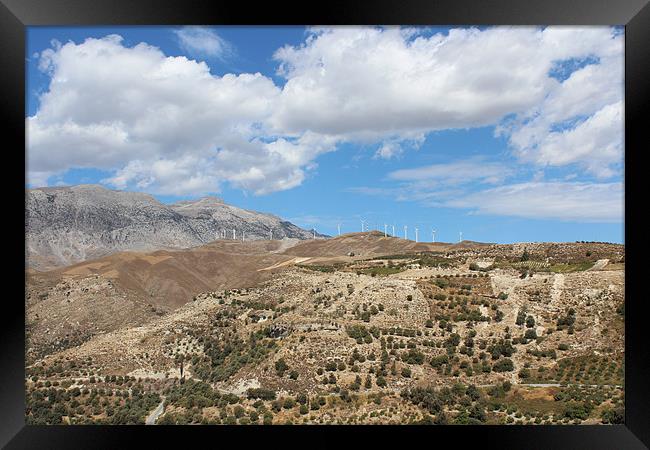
<point>582,202</point>
<point>457,172</point>
<point>166,123</point>
<point>163,123</point>
<point>372,84</point>
<point>369,82</point>
<point>580,122</point>
<point>461,184</point>
<point>395,146</point>
<point>388,150</point>
<point>202,41</point>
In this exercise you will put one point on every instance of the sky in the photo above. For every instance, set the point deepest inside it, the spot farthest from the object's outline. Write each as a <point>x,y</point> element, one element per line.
<point>506,134</point>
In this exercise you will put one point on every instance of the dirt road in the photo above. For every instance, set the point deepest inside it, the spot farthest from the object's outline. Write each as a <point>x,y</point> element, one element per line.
<point>153,417</point>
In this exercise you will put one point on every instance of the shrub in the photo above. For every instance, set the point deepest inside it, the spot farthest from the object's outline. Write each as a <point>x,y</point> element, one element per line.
<point>360,333</point>
<point>613,416</point>
<point>281,367</point>
<point>503,365</point>
<point>530,334</point>
<point>578,411</point>
<point>438,361</point>
<point>441,283</point>
<point>521,317</point>
<point>566,321</point>
<point>261,393</point>
<point>413,356</point>
<point>620,310</point>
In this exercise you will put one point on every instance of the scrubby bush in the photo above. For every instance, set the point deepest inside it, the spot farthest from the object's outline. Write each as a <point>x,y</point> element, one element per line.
<point>281,367</point>
<point>530,334</point>
<point>613,416</point>
<point>261,393</point>
<point>503,365</point>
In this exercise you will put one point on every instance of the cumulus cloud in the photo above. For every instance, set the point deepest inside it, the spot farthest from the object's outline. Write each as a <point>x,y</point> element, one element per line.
<point>203,41</point>
<point>582,202</point>
<point>163,123</point>
<point>580,121</point>
<point>167,125</point>
<point>371,82</point>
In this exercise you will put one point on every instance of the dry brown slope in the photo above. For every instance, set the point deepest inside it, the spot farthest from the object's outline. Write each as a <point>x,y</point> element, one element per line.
<point>370,244</point>
<point>68,306</point>
<point>170,278</point>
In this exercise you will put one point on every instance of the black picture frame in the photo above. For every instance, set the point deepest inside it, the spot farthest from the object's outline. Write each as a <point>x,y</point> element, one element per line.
<point>16,15</point>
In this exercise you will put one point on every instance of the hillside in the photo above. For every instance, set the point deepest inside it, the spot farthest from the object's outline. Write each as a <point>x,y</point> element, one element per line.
<point>66,225</point>
<point>77,302</point>
<point>522,333</point>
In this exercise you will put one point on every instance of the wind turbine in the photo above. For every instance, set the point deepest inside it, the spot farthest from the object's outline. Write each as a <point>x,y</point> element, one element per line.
<point>234,234</point>
<point>393,230</point>
<point>363,222</point>
<point>339,228</point>
<point>314,231</point>
<point>405,234</point>
<point>461,237</point>
<point>433,235</point>
<point>270,234</point>
<point>416,234</point>
<point>385,233</point>
<point>242,236</point>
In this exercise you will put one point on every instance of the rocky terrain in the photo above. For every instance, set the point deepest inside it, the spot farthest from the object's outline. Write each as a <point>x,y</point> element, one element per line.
<point>357,329</point>
<point>65,225</point>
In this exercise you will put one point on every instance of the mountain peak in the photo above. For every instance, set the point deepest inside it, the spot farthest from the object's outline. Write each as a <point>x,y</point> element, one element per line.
<point>69,224</point>
<point>207,201</point>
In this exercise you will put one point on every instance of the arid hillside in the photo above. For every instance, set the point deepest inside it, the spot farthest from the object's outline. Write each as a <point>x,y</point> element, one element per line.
<point>67,306</point>
<point>525,333</point>
<point>369,244</point>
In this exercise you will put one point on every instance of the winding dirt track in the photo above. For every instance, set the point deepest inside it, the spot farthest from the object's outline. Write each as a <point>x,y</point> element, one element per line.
<point>293,261</point>
<point>155,414</point>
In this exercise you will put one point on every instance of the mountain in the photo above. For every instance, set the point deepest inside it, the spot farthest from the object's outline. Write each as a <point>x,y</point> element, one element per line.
<point>66,225</point>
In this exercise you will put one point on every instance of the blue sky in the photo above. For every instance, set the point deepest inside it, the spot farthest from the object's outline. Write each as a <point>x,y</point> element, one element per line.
<point>506,134</point>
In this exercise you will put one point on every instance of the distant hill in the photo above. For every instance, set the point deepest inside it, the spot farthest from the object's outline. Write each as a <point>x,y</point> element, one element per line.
<point>66,225</point>
<point>371,244</point>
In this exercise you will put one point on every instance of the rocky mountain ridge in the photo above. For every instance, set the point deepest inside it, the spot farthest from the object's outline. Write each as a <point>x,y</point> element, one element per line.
<point>66,225</point>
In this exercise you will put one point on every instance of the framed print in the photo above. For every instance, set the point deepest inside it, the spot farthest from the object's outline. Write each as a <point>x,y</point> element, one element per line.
<point>415,217</point>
